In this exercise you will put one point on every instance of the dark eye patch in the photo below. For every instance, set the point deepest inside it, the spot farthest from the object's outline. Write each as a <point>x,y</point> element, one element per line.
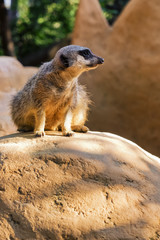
<point>85,53</point>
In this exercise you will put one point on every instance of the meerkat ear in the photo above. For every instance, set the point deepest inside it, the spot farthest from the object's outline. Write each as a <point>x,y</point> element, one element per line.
<point>64,60</point>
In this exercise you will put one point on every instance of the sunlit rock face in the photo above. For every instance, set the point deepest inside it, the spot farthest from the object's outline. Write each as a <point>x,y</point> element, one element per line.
<point>12,77</point>
<point>89,186</point>
<point>125,90</point>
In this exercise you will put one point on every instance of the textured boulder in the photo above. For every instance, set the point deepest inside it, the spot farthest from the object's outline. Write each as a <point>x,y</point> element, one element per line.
<point>12,77</point>
<point>90,186</point>
<point>125,90</point>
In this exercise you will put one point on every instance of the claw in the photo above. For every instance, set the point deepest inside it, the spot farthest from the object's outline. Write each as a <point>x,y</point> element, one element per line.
<point>68,134</point>
<point>39,133</point>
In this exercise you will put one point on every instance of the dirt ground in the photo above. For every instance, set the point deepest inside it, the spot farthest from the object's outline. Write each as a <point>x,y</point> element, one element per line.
<point>87,187</point>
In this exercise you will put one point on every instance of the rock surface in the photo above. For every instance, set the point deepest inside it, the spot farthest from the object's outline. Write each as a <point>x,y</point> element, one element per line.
<point>125,90</point>
<point>90,186</point>
<point>12,77</point>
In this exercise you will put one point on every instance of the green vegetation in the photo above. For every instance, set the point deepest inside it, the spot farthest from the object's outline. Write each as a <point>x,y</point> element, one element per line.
<point>1,51</point>
<point>112,8</point>
<point>41,23</point>
<point>38,24</point>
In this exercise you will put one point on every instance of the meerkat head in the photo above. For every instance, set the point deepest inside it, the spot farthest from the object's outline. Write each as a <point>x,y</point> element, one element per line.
<point>75,60</point>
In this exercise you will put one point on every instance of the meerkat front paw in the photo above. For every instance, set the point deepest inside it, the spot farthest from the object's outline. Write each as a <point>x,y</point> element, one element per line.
<point>68,133</point>
<point>80,128</point>
<point>84,129</point>
<point>39,133</point>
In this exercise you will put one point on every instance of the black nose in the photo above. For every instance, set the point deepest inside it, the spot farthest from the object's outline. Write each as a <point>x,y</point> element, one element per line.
<point>100,60</point>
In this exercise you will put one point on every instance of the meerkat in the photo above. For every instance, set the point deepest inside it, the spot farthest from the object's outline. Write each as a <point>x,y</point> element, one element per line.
<point>53,98</point>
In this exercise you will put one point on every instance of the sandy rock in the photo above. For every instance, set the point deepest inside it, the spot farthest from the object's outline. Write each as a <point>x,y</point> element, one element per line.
<point>6,124</point>
<point>125,90</point>
<point>90,15</point>
<point>12,77</point>
<point>90,186</point>
<point>11,74</point>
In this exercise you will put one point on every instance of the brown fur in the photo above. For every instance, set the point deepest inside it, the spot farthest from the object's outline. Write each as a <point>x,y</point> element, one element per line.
<point>53,98</point>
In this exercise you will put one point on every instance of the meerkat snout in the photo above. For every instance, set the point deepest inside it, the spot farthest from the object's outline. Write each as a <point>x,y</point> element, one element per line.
<point>53,99</point>
<point>100,60</point>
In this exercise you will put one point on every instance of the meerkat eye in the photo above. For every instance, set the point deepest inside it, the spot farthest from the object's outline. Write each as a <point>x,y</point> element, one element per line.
<point>85,53</point>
